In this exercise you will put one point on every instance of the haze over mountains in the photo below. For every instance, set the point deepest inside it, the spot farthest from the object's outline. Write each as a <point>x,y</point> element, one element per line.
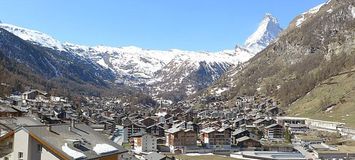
<point>172,74</point>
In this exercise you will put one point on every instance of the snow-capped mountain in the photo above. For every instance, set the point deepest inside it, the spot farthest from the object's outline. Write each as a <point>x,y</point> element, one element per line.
<point>163,72</point>
<point>269,28</point>
<point>169,71</point>
<point>33,36</point>
<point>185,74</point>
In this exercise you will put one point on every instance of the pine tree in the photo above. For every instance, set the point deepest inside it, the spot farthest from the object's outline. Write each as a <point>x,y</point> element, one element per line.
<point>288,135</point>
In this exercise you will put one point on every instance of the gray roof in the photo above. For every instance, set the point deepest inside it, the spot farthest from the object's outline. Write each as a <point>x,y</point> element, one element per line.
<point>7,108</point>
<point>244,138</point>
<point>175,130</point>
<point>272,125</point>
<point>60,134</point>
<point>15,122</point>
<point>259,121</point>
<point>35,90</point>
<point>297,125</point>
<point>154,156</point>
<point>238,131</point>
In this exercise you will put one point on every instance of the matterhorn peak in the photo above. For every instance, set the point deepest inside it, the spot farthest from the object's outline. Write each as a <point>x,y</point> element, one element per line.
<point>269,18</point>
<point>269,28</point>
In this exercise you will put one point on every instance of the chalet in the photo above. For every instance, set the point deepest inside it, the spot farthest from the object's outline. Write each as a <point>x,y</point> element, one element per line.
<point>134,128</point>
<point>8,126</point>
<point>297,128</point>
<point>291,120</point>
<point>274,131</point>
<point>176,111</point>
<point>156,130</point>
<point>249,121</point>
<point>263,122</point>
<point>324,151</point>
<point>33,94</point>
<point>273,111</point>
<point>6,141</point>
<point>156,156</point>
<point>238,122</point>
<point>187,125</point>
<point>216,138</point>
<point>9,111</point>
<point>179,140</point>
<point>238,134</point>
<point>148,121</point>
<point>65,141</point>
<point>248,143</point>
<point>143,142</point>
<point>306,140</point>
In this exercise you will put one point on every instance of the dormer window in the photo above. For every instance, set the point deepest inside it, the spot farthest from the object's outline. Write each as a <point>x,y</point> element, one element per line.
<point>77,144</point>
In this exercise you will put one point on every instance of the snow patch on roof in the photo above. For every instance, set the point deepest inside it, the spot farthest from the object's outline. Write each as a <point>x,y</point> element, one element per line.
<point>161,114</point>
<point>352,11</point>
<point>104,148</point>
<point>71,152</point>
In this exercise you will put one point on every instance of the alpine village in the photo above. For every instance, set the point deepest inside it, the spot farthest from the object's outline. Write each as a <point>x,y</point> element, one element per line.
<point>285,94</point>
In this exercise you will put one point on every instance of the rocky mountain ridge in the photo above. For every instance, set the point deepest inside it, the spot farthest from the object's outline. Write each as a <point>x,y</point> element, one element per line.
<point>161,73</point>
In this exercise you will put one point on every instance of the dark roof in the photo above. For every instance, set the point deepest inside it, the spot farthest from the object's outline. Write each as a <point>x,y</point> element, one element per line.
<point>238,131</point>
<point>245,138</point>
<point>272,126</point>
<point>259,121</point>
<point>16,122</point>
<point>61,135</point>
<point>7,108</point>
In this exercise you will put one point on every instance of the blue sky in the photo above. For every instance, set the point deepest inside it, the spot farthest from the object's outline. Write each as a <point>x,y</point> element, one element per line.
<point>201,25</point>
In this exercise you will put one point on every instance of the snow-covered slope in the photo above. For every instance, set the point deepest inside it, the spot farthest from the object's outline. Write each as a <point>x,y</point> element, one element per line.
<point>176,69</point>
<point>137,65</point>
<point>306,16</point>
<point>269,28</point>
<point>186,74</point>
<point>33,36</point>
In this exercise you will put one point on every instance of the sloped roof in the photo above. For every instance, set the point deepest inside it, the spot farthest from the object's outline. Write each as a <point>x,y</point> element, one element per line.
<point>272,126</point>
<point>60,135</point>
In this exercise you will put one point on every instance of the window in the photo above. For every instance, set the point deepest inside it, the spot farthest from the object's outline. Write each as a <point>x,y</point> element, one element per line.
<point>39,148</point>
<point>10,144</point>
<point>20,155</point>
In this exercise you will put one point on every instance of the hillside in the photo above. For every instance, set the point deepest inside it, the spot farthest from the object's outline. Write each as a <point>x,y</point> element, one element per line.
<point>333,99</point>
<point>170,75</point>
<point>317,45</point>
<point>24,65</point>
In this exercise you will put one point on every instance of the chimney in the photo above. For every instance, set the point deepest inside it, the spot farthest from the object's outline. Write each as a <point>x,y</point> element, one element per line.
<point>49,127</point>
<point>72,125</point>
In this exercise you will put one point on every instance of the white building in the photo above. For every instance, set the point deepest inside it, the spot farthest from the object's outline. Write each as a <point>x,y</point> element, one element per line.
<point>75,141</point>
<point>144,143</point>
